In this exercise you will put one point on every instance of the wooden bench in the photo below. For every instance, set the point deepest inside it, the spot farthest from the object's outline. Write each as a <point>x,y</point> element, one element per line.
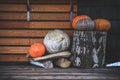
<point>17,34</point>
<point>25,71</point>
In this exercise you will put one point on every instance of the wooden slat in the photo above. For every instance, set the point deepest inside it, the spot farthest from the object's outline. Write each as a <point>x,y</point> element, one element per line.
<point>35,16</point>
<point>36,1</point>
<point>13,7</point>
<point>14,41</point>
<point>28,68</point>
<point>51,1</point>
<point>43,25</point>
<point>12,16</point>
<point>13,58</point>
<point>52,8</point>
<point>19,41</point>
<point>26,71</point>
<point>51,16</point>
<point>28,33</point>
<point>13,50</point>
<point>37,40</point>
<point>13,24</point>
<point>63,77</point>
<point>12,1</point>
<point>61,25</point>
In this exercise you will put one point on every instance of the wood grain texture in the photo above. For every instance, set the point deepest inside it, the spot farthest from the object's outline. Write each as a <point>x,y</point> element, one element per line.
<point>12,16</point>
<point>29,72</point>
<point>35,16</point>
<point>108,9</point>
<point>55,25</point>
<point>13,58</point>
<point>12,1</point>
<point>50,16</point>
<point>19,41</point>
<point>88,49</point>
<point>51,1</point>
<point>37,1</point>
<point>41,25</point>
<point>13,24</point>
<point>14,41</point>
<point>52,8</point>
<point>13,50</point>
<point>13,7</point>
<point>16,34</point>
<point>27,33</point>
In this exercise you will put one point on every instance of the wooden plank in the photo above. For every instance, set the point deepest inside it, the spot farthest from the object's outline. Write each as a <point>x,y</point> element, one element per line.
<point>36,40</point>
<point>60,76</point>
<point>61,25</point>
<point>12,16</point>
<point>50,16</point>
<point>19,41</point>
<point>52,8</point>
<point>51,1</point>
<point>13,58</point>
<point>13,24</point>
<point>28,68</point>
<point>35,1</point>
<point>28,33</point>
<point>35,16</point>
<point>14,41</point>
<point>13,7</point>
<point>41,25</point>
<point>13,50</point>
<point>12,1</point>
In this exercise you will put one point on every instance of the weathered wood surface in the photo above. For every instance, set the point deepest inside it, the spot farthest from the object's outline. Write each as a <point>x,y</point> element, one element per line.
<point>35,16</point>
<point>35,25</point>
<point>28,72</point>
<point>28,33</point>
<point>36,1</point>
<point>17,34</point>
<point>88,49</point>
<point>108,9</point>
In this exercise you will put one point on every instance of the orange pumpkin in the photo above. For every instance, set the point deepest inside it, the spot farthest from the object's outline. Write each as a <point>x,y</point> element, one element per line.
<point>37,50</point>
<point>78,18</point>
<point>102,24</point>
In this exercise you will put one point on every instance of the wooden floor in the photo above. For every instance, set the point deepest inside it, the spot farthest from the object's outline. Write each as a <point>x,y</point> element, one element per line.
<point>29,72</point>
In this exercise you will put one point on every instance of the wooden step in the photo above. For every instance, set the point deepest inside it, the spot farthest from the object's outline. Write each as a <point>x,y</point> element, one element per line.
<point>29,72</point>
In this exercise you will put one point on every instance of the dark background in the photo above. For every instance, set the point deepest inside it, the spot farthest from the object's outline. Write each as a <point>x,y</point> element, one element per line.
<point>108,9</point>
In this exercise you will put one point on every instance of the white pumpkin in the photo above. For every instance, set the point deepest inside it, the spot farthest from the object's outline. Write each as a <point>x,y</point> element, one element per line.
<point>56,41</point>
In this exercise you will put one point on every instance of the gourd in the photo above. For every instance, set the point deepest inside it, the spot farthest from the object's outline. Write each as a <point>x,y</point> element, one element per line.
<point>83,22</point>
<point>37,50</point>
<point>56,41</point>
<point>102,24</point>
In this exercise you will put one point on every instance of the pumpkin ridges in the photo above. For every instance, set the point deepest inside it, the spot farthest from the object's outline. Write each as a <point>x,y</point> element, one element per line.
<point>79,18</point>
<point>102,24</point>
<point>37,50</point>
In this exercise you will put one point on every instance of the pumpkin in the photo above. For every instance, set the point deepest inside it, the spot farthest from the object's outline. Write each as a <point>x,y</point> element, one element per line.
<point>85,24</point>
<point>56,41</point>
<point>102,24</point>
<point>37,50</point>
<point>78,18</point>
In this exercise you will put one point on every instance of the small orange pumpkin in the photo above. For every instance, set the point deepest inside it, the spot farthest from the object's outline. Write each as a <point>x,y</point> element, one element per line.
<point>78,18</point>
<point>37,50</point>
<point>102,24</point>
